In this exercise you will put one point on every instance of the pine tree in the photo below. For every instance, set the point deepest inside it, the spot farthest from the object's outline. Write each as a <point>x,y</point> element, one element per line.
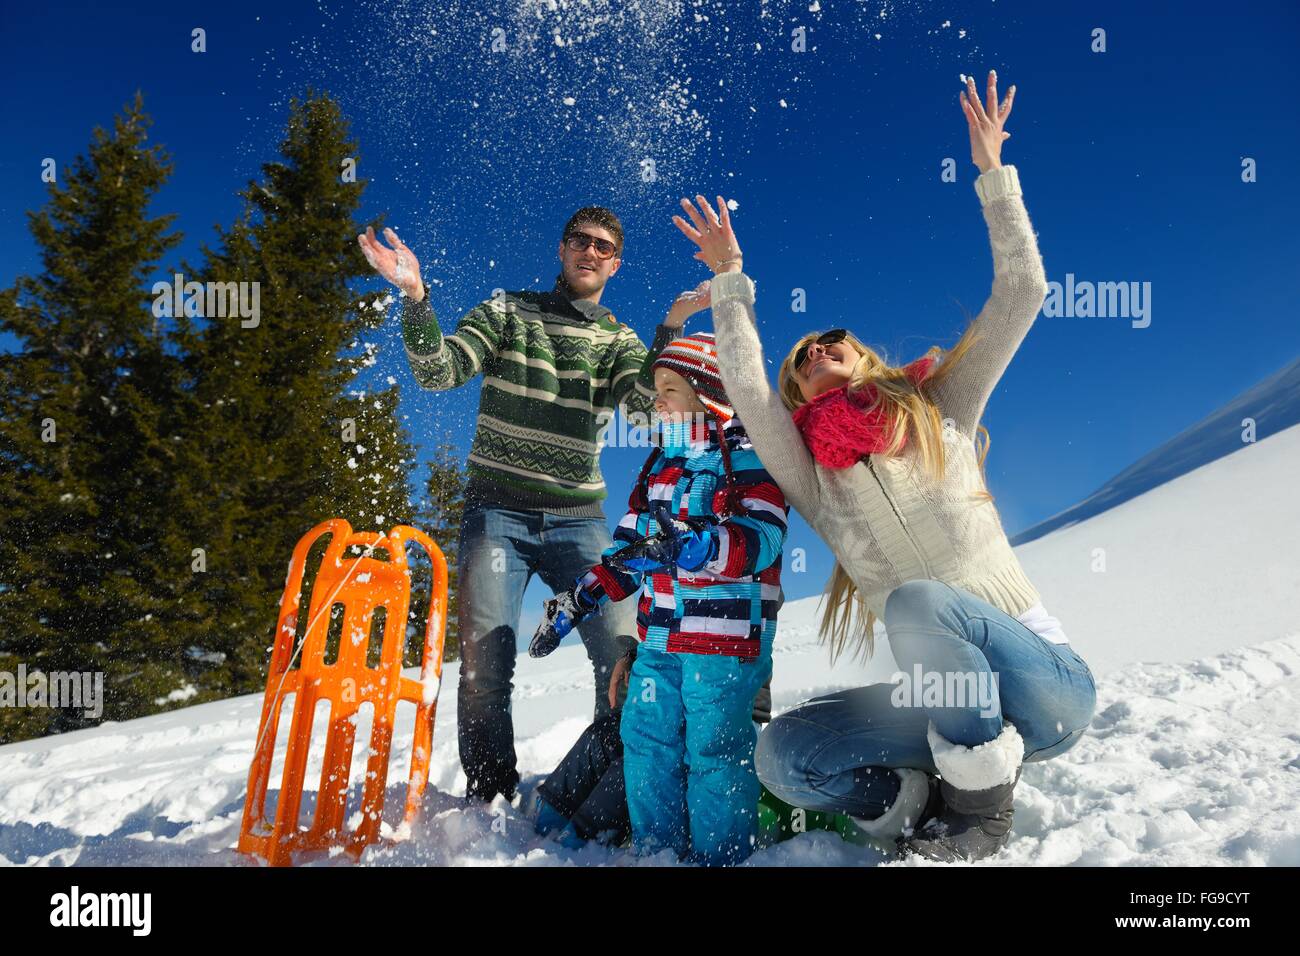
<point>288,435</point>
<point>87,438</point>
<point>439,516</point>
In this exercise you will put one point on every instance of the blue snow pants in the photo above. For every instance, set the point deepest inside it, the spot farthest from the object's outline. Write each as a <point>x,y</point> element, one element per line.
<point>688,754</point>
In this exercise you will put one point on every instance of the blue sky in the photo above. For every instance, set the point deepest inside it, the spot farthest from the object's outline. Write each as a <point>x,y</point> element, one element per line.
<point>1130,161</point>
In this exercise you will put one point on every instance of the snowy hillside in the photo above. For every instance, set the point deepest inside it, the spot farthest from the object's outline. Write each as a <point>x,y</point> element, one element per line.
<point>1273,404</point>
<point>1192,758</point>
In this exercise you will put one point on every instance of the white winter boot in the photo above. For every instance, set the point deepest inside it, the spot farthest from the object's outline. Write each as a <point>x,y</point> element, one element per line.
<point>978,789</point>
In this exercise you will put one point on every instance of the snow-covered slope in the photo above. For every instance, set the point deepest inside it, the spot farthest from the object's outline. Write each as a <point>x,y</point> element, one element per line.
<point>1273,404</point>
<point>1191,629</point>
<point>1204,562</point>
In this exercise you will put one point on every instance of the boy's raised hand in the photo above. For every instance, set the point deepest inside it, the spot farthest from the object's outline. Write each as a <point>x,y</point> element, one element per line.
<point>712,232</point>
<point>687,304</point>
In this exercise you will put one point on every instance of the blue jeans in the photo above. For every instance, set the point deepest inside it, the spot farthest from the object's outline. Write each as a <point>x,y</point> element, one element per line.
<point>499,551</point>
<point>835,753</point>
<point>688,754</point>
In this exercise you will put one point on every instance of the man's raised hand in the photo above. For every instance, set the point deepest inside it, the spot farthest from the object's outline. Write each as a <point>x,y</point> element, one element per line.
<point>398,265</point>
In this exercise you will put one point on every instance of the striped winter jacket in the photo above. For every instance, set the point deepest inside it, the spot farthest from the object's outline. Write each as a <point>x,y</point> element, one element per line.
<point>730,605</point>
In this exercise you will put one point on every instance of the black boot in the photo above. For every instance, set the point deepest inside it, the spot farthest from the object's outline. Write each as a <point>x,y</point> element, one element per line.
<point>976,820</point>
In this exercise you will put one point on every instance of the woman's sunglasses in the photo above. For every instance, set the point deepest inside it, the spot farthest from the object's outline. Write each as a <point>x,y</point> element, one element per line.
<point>578,241</point>
<point>826,338</point>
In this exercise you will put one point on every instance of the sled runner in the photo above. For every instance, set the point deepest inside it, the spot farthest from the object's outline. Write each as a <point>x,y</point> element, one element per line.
<point>778,821</point>
<point>340,665</point>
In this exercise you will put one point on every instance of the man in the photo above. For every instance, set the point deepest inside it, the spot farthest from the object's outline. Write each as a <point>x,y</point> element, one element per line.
<point>555,365</point>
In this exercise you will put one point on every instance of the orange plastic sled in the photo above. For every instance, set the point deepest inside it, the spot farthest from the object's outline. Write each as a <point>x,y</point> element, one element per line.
<point>361,585</point>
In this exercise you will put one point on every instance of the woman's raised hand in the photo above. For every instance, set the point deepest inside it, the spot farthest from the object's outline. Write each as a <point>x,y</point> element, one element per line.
<point>986,133</point>
<point>712,232</point>
<point>398,265</point>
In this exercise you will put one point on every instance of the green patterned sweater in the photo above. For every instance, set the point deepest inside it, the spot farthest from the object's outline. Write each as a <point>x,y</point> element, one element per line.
<point>554,370</point>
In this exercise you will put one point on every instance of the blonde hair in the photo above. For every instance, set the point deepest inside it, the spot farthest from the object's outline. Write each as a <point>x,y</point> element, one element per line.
<point>911,416</point>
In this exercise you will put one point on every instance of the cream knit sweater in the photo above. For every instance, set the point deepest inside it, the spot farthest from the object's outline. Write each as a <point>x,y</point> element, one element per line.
<point>883,518</point>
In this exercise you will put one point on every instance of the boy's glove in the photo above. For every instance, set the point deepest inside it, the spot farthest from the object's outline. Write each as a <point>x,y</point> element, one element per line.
<point>688,543</point>
<point>561,614</point>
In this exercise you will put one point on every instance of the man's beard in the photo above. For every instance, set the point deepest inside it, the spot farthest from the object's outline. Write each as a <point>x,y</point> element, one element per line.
<point>562,285</point>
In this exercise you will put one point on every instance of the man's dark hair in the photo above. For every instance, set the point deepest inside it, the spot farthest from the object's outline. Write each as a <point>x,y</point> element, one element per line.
<point>598,216</point>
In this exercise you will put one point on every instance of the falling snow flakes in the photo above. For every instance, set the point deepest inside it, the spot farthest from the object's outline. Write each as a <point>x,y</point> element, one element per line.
<point>568,101</point>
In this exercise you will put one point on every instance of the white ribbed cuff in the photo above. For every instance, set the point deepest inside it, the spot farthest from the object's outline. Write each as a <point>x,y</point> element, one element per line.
<point>731,285</point>
<point>997,184</point>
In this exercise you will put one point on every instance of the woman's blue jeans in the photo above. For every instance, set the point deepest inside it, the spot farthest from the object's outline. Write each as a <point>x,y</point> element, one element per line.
<point>964,664</point>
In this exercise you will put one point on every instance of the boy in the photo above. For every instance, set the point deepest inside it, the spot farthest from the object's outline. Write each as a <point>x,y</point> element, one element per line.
<point>702,541</point>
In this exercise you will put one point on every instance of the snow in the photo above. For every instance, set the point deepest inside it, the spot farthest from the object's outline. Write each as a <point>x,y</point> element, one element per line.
<point>1191,759</point>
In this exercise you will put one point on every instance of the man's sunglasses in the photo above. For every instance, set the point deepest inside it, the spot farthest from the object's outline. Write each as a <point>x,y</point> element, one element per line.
<point>578,241</point>
<point>826,338</point>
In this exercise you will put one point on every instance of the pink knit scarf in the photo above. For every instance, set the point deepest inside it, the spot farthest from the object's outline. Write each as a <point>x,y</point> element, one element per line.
<point>840,427</point>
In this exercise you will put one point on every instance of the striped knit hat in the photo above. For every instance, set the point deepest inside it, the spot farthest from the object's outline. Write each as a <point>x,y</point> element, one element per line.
<point>695,358</point>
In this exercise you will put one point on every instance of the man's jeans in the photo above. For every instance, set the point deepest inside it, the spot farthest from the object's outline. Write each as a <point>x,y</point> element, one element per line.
<point>499,551</point>
<point>834,753</point>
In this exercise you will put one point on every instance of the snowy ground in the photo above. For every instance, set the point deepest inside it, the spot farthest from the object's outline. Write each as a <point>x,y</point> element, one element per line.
<point>1192,758</point>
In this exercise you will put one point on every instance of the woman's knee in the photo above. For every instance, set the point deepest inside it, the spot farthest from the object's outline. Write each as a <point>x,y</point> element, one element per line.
<point>915,599</point>
<point>780,757</point>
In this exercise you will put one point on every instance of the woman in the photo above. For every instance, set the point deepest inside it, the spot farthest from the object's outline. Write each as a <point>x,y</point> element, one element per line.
<point>883,462</point>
